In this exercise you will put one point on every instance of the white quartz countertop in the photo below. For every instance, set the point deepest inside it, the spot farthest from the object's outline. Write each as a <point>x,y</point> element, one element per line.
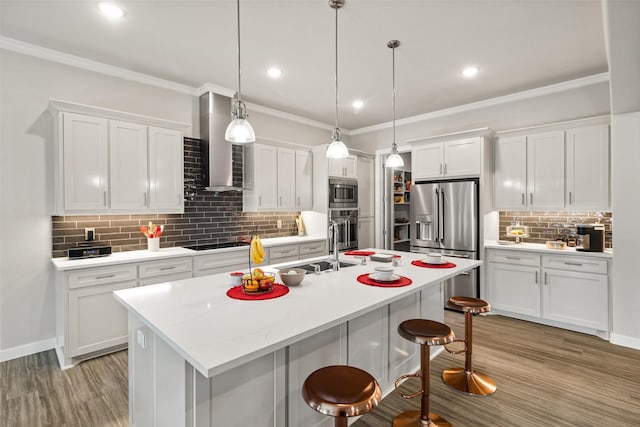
<point>215,333</point>
<point>542,248</point>
<point>65,263</point>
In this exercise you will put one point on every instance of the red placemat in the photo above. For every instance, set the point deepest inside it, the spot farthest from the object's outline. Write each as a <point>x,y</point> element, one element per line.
<point>359,253</point>
<point>419,263</point>
<point>278,291</point>
<point>366,280</point>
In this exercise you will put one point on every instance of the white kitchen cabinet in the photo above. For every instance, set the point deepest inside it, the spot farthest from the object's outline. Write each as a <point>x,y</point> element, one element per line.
<point>286,177</point>
<point>83,169</point>
<point>587,168</point>
<point>561,290</point>
<point>261,173</point>
<point>128,166</point>
<point>304,180</point>
<point>213,263</point>
<point>114,166</point>
<point>343,168</point>
<point>367,340</point>
<point>166,171</point>
<point>283,253</point>
<point>366,231</point>
<point>447,159</point>
<point>365,172</point>
<point>510,177</point>
<point>404,355</point>
<point>313,249</point>
<point>322,349</point>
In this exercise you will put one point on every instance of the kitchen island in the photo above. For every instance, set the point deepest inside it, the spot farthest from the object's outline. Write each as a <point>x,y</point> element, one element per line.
<point>199,358</point>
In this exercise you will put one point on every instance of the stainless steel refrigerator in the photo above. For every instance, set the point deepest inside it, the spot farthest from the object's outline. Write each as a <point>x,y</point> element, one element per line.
<point>444,219</point>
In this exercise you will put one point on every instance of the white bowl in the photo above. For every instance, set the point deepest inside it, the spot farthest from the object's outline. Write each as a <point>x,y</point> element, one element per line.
<point>433,258</point>
<point>384,273</point>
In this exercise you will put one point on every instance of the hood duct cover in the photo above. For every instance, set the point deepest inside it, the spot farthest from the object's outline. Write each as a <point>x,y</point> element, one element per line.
<point>216,151</point>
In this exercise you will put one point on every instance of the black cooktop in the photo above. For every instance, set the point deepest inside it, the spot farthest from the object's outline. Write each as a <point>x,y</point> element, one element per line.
<point>217,246</point>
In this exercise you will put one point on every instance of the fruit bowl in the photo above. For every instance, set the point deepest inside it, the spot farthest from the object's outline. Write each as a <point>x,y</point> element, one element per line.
<point>258,282</point>
<point>292,276</point>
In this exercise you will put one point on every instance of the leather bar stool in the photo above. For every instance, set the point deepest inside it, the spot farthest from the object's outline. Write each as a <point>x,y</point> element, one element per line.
<point>466,379</point>
<point>341,391</point>
<point>426,333</point>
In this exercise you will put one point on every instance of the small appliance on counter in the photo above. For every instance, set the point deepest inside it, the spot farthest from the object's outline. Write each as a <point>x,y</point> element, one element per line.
<point>590,237</point>
<point>89,250</point>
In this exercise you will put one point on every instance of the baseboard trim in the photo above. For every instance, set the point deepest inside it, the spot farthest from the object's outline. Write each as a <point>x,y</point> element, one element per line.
<point>624,340</point>
<point>27,349</point>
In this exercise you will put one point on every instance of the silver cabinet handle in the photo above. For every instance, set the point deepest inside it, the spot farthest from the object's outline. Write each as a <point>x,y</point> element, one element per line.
<point>523,199</point>
<point>570,197</point>
<point>145,198</point>
<point>259,200</point>
<point>168,268</point>
<point>105,276</point>
<point>445,168</point>
<point>545,278</point>
<point>104,198</point>
<point>280,200</point>
<point>441,169</point>
<point>531,198</point>
<point>577,264</point>
<point>298,200</point>
<point>513,257</point>
<point>536,277</point>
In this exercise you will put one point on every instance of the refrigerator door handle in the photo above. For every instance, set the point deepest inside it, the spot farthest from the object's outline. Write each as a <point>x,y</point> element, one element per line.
<point>438,218</point>
<point>441,217</point>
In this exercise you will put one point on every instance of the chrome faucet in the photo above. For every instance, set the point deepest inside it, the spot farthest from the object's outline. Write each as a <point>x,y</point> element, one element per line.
<point>333,229</point>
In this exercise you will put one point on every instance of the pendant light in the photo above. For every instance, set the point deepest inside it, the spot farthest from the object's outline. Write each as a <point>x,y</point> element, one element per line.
<point>239,130</point>
<point>394,160</point>
<point>337,149</point>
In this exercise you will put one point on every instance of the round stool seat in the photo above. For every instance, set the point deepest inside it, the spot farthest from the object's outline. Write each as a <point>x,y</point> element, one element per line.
<point>469,304</point>
<point>427,332</point>
<point>341,391</point>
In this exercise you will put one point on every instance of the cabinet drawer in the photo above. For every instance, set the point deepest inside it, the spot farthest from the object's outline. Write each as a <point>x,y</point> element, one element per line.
<point>314,248</point>
<point>221,261</point>
<point>572,263</point>
<point>515,257</point>
<point>284,251</point>
<point>164,278</point>
<point>164,267</point>
<point>102,275</point>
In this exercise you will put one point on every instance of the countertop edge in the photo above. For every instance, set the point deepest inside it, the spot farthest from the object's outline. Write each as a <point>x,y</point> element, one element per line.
<point>541,248</point>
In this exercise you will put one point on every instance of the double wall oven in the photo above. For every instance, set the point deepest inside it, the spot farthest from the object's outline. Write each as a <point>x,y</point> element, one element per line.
<point>343,209</point>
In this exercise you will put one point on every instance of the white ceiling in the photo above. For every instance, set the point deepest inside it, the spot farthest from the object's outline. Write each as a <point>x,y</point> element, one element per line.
<point>517,44</point>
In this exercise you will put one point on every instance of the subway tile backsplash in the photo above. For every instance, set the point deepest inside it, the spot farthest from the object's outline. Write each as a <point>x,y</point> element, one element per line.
<point>208,217</point>
<point>549,225</point>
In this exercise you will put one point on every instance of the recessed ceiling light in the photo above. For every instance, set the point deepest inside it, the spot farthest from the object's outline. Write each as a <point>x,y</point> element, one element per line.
<point>274,72</point>
<point>357,104</point>
<point>111,10</point>
<point>470,72</point>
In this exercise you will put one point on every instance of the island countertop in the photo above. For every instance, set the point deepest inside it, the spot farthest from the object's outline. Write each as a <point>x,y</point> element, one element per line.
<point>215,333</point>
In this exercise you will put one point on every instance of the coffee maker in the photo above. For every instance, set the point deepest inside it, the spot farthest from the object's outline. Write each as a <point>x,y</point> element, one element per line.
<point>590,237</point>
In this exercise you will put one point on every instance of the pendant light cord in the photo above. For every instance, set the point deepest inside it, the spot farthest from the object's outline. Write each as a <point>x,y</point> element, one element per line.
<point>336,67</point>
<point>393,74</point>
<point>239,80</point>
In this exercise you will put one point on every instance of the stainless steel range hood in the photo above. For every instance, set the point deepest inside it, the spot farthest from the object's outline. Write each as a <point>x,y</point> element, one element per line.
<point>215,115</point>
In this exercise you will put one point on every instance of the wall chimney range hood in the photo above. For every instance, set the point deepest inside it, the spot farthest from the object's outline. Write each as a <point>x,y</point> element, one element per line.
<point>216,151</point>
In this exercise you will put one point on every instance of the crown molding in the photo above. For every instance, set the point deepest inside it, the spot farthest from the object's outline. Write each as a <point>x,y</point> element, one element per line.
<point>219,90</point>
<point>292,117</point>
<point>513,97</point>
<point>87,64</point>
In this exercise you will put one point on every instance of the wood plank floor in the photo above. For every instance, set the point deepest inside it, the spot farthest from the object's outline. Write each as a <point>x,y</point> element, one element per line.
<point>545,376</point>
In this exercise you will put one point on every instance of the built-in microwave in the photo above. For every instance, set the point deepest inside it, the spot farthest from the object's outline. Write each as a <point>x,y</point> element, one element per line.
<point>343,193</point>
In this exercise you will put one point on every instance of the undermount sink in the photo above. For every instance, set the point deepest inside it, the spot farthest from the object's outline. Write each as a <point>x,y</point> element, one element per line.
<point>324,266</point>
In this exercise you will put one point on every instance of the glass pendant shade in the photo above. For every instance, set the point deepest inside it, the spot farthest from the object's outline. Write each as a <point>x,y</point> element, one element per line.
<point>394,161</point>
<point>239,130</point>
<point>337,149</point>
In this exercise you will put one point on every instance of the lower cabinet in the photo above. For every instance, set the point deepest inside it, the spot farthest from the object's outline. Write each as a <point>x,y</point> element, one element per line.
<point>404,356</point>
<point>204,265</point>
<point>283,253</point>
<point>568,291</point>
<point>367,343</point>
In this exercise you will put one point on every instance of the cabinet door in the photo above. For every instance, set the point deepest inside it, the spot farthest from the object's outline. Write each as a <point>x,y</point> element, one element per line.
<point>545,170</point>
<point>166,176</point>
<point>510,177</point>
<point>304,180</point>
<point>462,157</point>
<point>128,165</point>
<point>365,186</point>
<point>96,320</point>
<point>286,173</point>
<point>588,168</point>
<point>266,179</point>
<point>366,232</point>
<point>427,161</point>
<point>576,298</point>
<point>514,288</point>
<point>368,343</point>
<point>86,163</point>
<point>404,356</point>
<point>335,167</point>
<point>350,165</point>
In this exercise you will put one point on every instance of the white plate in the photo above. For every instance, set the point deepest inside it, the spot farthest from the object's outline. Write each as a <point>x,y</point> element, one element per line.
<point>427,261</point>
<point>394,277</point>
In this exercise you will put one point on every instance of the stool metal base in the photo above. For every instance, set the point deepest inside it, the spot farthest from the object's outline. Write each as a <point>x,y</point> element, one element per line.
<point>469,382</point>
<point>412,419</point>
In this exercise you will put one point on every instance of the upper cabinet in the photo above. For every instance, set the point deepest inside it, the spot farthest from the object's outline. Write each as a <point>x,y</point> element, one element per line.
<point>447,159</point>
<point>365,174</point>
<point>279,179</point>
<point>107,165</point>
<point>553,170</point>
<point>344,168</point>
